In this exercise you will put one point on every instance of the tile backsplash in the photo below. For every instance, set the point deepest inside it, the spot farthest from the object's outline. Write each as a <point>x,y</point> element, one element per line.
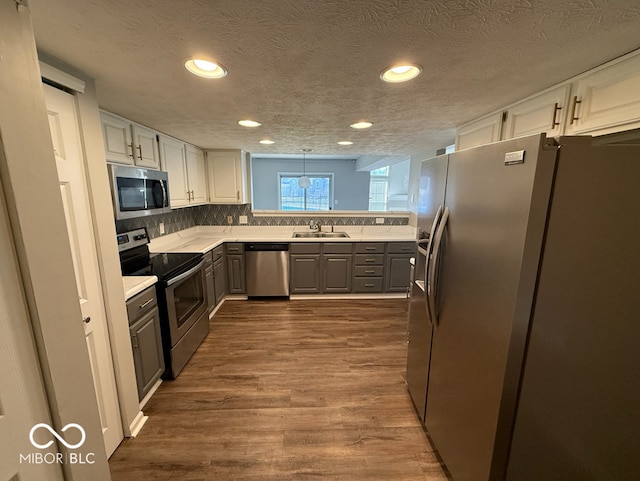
<point>217,214</point>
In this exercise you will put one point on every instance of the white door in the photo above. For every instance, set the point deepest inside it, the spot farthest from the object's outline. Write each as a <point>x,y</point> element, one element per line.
<point>65,134</point>
<point>22,398</point>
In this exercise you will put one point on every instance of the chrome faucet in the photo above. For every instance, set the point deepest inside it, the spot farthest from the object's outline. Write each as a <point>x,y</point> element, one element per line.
<point>313,225</point>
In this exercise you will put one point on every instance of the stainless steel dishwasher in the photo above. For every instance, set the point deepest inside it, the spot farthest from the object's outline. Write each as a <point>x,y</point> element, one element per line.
<point>267,269</point>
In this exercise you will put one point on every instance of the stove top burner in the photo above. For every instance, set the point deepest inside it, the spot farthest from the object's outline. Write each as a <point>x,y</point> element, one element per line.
<point>135,259</point>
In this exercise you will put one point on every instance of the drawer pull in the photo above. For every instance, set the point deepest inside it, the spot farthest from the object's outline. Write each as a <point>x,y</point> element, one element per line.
<point>369,272</point>
<point>370,248</point>
<point>369,260</point>
<point>368,285</point>
<point>142,306</point>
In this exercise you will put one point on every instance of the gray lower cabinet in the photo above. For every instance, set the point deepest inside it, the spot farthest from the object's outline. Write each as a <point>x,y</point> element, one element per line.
<point>146,340</point>
<point>344,267</point>
<point>398,266</point>
<point>236,279</point>
<point>337,267</point>
<point>369,268</point>
<point>304,268</point>
<point>219,274</point>
<point>210,281</point>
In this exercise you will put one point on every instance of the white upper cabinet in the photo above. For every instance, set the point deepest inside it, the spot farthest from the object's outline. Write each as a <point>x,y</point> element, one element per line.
<point>185,167</point>
<point>146,145</point>
<point>479,132</point>
<point>545,112</point>
<point>116,133</point>
<point>196,175</point>
<point>607,99</point>
<point>129,143</point>
<point>172,155</point>
<point>228,174</point>
<point>602,101</point>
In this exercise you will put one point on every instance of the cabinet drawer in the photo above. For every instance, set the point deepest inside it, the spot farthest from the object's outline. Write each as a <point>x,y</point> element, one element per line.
<point>367,284</point>
<point>402,247</point>
<point>141,304</point>
<point>370,247</point>
<point>337,247</point>
<point>369,259</point>
<point>235,248</point>
<point>218,253</point>
<point>208,260</point>
<point>305,248</point>
<point>369,271</point>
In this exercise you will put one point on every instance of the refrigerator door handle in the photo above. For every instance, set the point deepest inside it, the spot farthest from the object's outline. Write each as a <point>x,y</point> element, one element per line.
<point>433,266</point>
<point>427,279</point>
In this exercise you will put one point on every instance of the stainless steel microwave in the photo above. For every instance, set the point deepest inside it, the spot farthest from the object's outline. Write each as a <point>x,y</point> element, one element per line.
<point>138,192</point>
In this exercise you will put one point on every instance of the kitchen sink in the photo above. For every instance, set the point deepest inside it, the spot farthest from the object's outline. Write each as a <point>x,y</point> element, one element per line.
<point>320,234</point>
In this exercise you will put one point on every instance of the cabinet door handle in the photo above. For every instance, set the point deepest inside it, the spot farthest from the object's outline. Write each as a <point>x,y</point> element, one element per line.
<point>140,151</point>
<point>86,320</point>
<point>237,194</point>
<point>133,150</point>
<point>554,122</point>
<point>573,109</point>
<point>134,341</point>
<point>142,306</point>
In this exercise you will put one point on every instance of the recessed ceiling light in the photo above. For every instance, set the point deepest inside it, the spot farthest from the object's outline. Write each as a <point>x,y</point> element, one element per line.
<point>266,142</point>
<point>204,68</point>
<point>401,73</point>
<point>249,123</point>
<point>345,142</point>
<point>361,125</point>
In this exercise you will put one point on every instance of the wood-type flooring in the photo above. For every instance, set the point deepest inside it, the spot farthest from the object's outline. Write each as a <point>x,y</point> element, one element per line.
<point>287,390</point>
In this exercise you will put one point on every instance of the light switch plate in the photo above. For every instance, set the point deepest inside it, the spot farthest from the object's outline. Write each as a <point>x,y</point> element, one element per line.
<point>229,219</point>
<point>161,227</point>
<point>243,219</point>
<point>379,220</point>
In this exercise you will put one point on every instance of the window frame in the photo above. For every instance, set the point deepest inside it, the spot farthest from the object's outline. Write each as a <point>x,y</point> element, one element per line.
<point>311,175</point>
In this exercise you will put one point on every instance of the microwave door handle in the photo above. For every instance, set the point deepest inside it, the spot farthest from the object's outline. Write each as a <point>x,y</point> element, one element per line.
<point>185,274</point>
<point>165,201</point>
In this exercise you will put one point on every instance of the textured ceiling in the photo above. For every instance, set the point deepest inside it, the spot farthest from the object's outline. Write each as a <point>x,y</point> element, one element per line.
<point>307,69</point>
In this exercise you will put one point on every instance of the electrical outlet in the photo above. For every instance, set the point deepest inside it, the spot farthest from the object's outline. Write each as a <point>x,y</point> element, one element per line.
<point>379,220</point>
<point>161,226</point>
<point>243,219</point>
<point>229,219</point>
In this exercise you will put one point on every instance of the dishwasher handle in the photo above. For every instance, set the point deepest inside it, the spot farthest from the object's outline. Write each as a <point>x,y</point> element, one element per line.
<point>266,246</point>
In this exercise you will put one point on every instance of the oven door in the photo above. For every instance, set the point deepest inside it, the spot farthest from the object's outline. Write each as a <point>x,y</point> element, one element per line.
<point>186,301</point>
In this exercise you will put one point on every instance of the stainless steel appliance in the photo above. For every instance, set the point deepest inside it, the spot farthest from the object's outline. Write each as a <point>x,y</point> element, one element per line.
<point>138,192</point>
<point>431,198</point>
<point>531,297</point>
<point>267,269</point>
<point>181,291</point>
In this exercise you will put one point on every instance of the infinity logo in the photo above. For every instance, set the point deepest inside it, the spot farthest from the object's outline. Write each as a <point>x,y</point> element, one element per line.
<point>57,436</point>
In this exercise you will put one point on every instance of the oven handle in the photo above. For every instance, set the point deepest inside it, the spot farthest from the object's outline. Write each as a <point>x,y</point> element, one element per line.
<point>185,274</point>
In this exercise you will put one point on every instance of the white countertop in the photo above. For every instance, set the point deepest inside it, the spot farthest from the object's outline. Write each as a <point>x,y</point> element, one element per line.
<point>135,284</point>
<point>204,238</point>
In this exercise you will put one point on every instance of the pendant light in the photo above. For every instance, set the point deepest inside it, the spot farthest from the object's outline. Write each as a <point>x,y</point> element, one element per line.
<point>304,182</point>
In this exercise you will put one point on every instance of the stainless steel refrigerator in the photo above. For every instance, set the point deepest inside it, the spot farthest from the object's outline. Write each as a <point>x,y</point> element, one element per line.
<point>533,303</point>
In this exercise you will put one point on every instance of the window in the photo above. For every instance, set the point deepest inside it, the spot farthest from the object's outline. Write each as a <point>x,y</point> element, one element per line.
<point>319,196</point>
<point>379,188</point>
